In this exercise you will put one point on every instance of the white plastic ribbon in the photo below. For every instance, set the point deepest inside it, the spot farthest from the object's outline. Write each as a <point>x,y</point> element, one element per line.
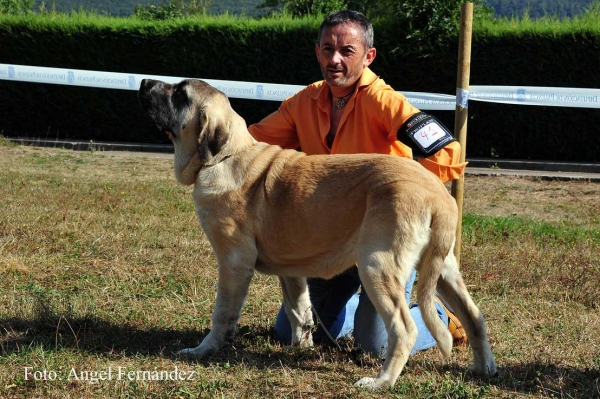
<point>525,95</point>
<point>530,95</point>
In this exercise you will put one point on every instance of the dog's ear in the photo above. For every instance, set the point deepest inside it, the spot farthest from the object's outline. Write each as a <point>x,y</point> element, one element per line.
<point>212,138</point>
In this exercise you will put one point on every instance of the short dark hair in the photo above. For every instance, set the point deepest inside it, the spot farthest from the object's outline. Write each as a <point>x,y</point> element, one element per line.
<point>349,16</point>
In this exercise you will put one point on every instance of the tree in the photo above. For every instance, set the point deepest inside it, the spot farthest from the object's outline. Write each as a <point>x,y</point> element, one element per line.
<point>174,9</point>
<point>300,8</point>
<point>430,21</point>
<point>16,6</point>
<point>424,22</point>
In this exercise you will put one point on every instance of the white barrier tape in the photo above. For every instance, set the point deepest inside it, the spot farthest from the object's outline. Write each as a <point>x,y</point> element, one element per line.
<point>431,101</point>
<point>527,95</point>
<point>545,96</point>
<point>131,81</point>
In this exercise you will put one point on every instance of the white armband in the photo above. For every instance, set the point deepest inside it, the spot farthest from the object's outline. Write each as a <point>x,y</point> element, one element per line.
<point>428,133</point>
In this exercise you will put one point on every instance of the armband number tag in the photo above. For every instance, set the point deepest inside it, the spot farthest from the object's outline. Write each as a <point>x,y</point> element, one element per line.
<point>426,132</point>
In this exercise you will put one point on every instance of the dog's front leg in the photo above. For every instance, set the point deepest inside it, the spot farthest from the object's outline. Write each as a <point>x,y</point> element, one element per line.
<point>296,302</point>
<point>231,293</point>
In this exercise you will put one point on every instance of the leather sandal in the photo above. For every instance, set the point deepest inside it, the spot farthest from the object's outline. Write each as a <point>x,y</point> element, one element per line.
<point>459,336</point>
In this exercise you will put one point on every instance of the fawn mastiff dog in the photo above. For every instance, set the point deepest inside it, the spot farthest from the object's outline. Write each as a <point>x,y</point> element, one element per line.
<point>285,213</point>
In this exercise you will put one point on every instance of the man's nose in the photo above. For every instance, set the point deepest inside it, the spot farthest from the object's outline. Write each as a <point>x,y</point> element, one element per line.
<point>336,57</point>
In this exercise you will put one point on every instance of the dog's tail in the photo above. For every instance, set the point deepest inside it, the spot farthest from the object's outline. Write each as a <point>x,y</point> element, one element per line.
<point>431,265</point>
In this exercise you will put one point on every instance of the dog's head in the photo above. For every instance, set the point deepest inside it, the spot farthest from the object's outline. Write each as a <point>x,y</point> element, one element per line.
<point>197,118</point>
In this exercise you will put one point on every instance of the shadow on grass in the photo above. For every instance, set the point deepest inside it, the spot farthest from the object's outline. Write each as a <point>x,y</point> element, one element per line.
<point>91,335</point>
<point>537,378</point>
<point>254,347</point>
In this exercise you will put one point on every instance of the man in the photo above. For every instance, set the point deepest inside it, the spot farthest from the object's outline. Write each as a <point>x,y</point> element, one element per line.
<point>354,111</point>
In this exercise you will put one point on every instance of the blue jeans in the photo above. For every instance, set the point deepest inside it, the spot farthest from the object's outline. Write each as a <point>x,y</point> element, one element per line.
<point>345,312</point>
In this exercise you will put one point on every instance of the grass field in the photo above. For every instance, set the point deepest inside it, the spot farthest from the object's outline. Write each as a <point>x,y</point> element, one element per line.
<point>105,273</point>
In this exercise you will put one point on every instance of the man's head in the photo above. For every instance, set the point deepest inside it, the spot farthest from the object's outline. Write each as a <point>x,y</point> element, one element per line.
<point>345,47</point>
<point>350,17</point>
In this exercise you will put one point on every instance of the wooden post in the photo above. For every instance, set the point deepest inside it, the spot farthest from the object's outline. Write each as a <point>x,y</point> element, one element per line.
<point>462,113</point>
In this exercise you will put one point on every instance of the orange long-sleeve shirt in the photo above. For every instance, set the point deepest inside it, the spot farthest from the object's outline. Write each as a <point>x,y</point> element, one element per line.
<point>369,124</point>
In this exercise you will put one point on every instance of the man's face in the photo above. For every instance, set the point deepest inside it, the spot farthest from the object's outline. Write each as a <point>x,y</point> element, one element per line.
<point>342,55</point>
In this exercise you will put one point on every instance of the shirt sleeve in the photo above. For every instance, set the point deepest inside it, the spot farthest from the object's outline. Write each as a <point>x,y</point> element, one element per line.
<point>278,128</point>
<point>445,163</point>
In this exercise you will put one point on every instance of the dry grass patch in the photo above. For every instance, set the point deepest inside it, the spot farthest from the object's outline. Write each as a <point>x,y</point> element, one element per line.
<point>103,267</point>
<point>563,202</point>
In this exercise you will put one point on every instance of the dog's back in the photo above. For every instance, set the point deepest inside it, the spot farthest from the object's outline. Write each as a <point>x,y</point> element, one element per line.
<point>321,205</point>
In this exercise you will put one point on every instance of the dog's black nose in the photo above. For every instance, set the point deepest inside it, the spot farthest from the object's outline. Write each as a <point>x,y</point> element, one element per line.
<point>144,93</point>
<point>148,83</point>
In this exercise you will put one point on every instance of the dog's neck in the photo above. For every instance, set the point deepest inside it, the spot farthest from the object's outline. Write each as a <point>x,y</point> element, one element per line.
<point>186,166</point>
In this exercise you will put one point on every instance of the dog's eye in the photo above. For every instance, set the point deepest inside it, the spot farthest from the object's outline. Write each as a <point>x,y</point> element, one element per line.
<point>179,88</point>
<point>179,91</point>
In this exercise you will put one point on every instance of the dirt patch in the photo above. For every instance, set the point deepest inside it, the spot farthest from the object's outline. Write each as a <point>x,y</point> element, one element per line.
<point>573,202</point>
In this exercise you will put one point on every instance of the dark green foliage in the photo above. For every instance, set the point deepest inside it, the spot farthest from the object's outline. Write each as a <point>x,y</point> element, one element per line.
<point>15,7</point>
<point>301,8</point>
<point>103,7</point>
<point>172,10</point>
<point>426,23</point>
<point>423,22</point>
<point>158,13</point>
<point>502,8</point>
<point>123,8</point>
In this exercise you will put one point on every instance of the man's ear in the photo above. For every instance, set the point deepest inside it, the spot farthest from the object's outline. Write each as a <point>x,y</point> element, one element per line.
<point>370,56</point>
<point>317,51</point>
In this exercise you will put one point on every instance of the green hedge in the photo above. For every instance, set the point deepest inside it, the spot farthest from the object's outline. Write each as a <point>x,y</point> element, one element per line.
<point>282,51</point>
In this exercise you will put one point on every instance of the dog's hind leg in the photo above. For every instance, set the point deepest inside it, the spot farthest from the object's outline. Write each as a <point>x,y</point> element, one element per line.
<point>233,283</point>
<point>452,289</point>
<point>385,282</point>
<point>442,231</point>
<point>429,269</point>
<point>296,302</point>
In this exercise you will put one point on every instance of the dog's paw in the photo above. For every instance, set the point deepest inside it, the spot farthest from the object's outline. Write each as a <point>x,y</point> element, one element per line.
<point>371,383</point>
<point>303,339</point>
<point>366,382</point>
<point>306,342</point>
<point>197,352</point>
<point>484,368</point>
